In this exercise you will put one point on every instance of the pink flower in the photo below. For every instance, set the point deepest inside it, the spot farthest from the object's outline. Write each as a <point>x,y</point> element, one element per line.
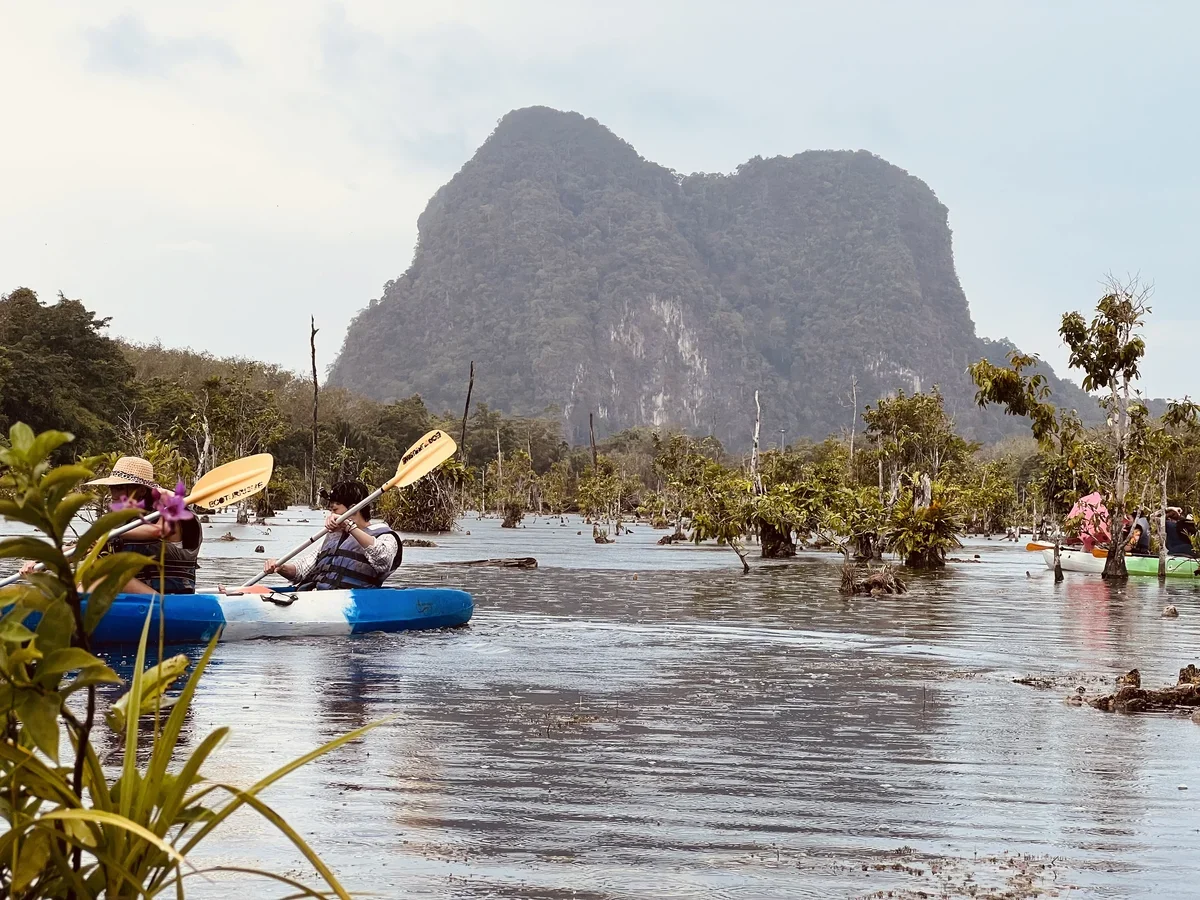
<point>171,505</point>
<point>126,503</point>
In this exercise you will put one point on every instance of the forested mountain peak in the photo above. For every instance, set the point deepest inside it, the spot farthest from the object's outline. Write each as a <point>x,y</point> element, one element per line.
<point>580,276</point>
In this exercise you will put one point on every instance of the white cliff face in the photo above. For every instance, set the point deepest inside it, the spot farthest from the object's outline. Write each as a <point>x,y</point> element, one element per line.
<point>573,390</point>
<point>663,374</point>
<point>889,370</point>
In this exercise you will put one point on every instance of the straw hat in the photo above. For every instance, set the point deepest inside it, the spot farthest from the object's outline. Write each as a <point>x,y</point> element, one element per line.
<point>130,470</point>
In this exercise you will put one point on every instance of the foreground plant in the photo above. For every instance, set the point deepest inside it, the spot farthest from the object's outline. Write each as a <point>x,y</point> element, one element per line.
<point>71,832</point>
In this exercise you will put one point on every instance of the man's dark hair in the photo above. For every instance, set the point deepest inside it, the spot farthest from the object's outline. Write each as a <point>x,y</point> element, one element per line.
<point>349,493</point>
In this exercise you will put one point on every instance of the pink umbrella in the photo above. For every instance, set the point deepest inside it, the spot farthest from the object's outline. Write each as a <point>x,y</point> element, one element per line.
<point>1093,515</point>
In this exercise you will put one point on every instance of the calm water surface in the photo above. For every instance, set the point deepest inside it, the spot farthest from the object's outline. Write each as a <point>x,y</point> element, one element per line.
<point>636,721</point>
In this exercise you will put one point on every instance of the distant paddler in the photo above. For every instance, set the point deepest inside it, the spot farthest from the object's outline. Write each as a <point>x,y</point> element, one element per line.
<point>345,557</point>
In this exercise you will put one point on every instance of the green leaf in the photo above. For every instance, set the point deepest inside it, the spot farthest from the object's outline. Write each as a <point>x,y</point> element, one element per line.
<point>48,589</point>
<point>90,676</point>
<point>112,572</point>
<point>46,443</point>
<point>292,835</point>
<point>70,475</point>
<point>80,833</point>
<point>20,596</point>
<point>20,438</point>
<point>38,778</point>
<point>129,770</point>
<point>67,659</point>
<point>164,747</point>
<point>263,783</point>
<point>32,857</point>
<point>12,630</point>
<point>65,511</point>
<point>27,654</point>
<point>35,549</point>
<point>39,714</point>
<point>155,680</point>
<point>56,628</point>
<point>29,514</point>
<point>173,794</point>
<point>98,817</point>
<point>110,521</point>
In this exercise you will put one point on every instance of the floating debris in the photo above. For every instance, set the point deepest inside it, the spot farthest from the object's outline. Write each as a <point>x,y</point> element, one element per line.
<point>1132,698</point>
<point>519,562</point>
<point>878,583</point>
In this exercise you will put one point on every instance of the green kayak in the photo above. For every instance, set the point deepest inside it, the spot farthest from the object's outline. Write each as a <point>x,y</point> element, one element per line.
<point>1177,566</point>
<point>1082,561</point>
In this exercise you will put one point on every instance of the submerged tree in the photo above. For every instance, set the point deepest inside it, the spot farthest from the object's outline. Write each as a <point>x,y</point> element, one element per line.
<point>1109,350</point>
<point>722,508</point>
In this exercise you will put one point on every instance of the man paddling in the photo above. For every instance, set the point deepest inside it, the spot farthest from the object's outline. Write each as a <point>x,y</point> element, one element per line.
<point>354,554</point>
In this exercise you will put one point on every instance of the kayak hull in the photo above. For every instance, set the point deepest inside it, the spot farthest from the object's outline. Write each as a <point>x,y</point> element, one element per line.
<point>1082,561</point>
<point>195,618</point>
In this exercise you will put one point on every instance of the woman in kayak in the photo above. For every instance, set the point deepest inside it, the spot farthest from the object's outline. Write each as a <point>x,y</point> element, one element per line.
<point>355,554</point>
<point>131,483</point>
<point>177,543</point>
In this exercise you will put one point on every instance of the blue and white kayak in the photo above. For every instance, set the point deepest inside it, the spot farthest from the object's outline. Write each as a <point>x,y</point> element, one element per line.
<point>283,613</point>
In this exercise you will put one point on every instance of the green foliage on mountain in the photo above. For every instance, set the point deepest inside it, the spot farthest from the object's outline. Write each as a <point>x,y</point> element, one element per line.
<point>582,278</point>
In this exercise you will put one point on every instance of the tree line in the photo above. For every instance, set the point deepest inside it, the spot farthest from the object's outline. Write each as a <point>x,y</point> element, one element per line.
<point>902,480</point>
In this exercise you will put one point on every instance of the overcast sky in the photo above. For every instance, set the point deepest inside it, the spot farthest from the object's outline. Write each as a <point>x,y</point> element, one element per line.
<point>211,173</point>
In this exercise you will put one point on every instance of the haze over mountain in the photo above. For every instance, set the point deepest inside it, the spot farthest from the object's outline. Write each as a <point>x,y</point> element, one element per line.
<point>580,276</point>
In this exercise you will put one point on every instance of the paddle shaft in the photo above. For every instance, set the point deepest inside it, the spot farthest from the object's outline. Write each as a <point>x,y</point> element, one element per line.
<point>222,486</point>
<point>300,548</point>
<point>117,532</point>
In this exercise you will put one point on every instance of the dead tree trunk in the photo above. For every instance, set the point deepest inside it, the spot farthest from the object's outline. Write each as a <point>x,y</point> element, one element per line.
<point>312,343</point>
<point>1114,565</point>
<point>754,475</point>
<point>737,548</point>
<point>592,435</point>
<point>499,476</point>
<point>854,418</point>
<point>1162,526</point>
<point>462,442</point>
<point>775,542</point>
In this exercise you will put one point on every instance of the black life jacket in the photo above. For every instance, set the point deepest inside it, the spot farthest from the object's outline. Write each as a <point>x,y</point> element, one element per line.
<point>180,560</point>
<point>341,563</point>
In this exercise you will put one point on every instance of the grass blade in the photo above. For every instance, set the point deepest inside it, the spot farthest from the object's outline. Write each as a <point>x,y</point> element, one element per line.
<point>165,743</point>
<point>248,799</point>
<point>99,818</point>
<point>266,782</point>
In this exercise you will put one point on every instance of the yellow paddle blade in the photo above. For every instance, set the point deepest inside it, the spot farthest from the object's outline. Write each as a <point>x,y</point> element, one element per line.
<point>233,481</point>
<point>1036,546</point>
<point>1099,553</point>
<point>422,458</point>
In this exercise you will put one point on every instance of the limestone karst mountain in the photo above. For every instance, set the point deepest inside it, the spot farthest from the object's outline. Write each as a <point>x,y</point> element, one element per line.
<point>580,276</point>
